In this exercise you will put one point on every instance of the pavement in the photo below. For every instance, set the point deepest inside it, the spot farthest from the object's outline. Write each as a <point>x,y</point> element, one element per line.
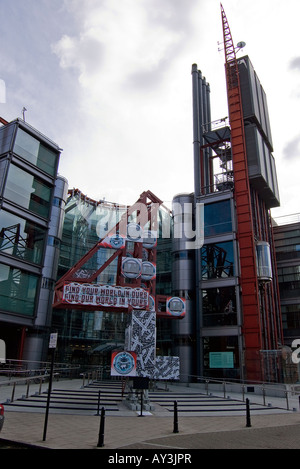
<point>277,428</point>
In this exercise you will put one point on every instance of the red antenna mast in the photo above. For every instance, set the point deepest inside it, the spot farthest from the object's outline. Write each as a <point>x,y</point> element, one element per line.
<point>245,235</point>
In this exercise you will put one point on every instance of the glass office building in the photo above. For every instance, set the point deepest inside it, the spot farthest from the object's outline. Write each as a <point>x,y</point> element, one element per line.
<point>31,195</point>
<point>287,243</point>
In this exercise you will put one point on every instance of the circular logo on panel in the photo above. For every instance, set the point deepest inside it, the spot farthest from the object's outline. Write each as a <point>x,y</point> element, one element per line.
<point>116,241</point>
<point>123,363</point>
<point>175,306</point>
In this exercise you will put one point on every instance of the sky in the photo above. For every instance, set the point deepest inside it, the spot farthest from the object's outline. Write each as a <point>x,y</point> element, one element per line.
<point>110,82</point>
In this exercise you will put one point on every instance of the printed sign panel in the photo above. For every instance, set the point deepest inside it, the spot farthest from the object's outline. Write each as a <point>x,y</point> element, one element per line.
<point>221,360</point>
<point>105,295</point>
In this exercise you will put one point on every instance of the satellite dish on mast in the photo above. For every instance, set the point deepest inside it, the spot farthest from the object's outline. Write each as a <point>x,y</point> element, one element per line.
<point>241,45</point>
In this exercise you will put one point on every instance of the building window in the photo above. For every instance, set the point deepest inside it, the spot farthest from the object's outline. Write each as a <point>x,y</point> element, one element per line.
<point>217,218</point>
<point>27,191</point>
<point>217,260</point>
<point>53,241</point>
<point>18,291</point>
<point>35,152</point>
<point>21,238</point>
<point>287,245</point>
<point>289,281</point>
<point>219,307</point>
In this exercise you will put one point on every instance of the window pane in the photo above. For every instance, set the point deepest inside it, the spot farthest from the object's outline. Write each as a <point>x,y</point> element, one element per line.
<point>217,260</point>
<point>20,238</point>
<point>35,152</point>
<point>27,191</point>
<point>17,291</point>
<point>219,306</point>
<point>217,218</point>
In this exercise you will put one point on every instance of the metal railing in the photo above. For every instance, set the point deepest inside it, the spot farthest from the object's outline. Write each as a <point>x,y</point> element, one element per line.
<point>23,374</point>
<point>283,395</point>
<point>25,368</point>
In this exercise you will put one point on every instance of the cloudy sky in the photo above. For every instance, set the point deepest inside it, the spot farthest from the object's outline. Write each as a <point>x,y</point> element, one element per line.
<point>110,82</point>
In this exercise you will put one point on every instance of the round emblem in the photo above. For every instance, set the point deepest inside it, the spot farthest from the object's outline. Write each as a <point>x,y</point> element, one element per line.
<point>175,306</point>
<point>116,241</point>
<point>123,363</point>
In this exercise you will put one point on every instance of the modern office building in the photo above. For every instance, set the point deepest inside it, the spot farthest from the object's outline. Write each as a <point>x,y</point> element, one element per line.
<point>32,200</point>
<point>234,316</point>
<point>287,244</point>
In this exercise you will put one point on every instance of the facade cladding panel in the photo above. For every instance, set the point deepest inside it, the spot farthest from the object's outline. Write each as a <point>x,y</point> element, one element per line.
<point>254,99</point>
<point>259,145</point>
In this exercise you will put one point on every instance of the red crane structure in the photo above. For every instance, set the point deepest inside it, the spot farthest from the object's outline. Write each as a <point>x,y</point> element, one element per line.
<point>78,288</point>
<point>254,333</point>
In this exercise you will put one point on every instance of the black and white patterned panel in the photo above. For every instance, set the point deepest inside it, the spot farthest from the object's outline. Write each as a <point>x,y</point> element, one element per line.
<point>166,368</point>
<point>140,337</point>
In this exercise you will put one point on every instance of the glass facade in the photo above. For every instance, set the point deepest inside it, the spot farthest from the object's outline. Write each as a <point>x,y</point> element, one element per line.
<point>217,218</point>
<point>18,291</point>
<point>289,281</point>
<point>291,319</point>
<point>35,152</point>
<point>28,178</point>
<point>21,238</point>
<point>217,260</point>
<point>288,245</point>
<point>28,191</point>
<point>219,306</point>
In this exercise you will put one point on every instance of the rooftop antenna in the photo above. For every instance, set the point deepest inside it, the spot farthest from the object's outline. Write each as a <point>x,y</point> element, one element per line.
<point>240,45</point>
<point>23,112</point>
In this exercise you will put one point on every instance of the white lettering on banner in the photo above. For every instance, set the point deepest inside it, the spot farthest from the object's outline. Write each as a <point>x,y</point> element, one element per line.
<point>105,295</point>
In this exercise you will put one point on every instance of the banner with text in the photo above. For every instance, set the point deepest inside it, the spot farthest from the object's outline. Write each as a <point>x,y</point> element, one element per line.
<point>105,295</point>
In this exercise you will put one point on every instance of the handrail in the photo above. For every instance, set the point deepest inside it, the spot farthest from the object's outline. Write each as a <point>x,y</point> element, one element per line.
<point>28,381</point>
<point>28,368</point>
<point>255,388</point>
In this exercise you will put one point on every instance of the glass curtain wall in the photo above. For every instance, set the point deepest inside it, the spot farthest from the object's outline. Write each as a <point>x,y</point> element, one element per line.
<point>21,238</point>
<point>219,309</point>
<point>35,152</point>
<point>28,191</point>
<point>18,290</point>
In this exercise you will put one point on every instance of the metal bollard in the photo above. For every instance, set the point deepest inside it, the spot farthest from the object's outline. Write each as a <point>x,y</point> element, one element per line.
<point>101,430</point>
<point>175,426</point>
<point>98,408</point>
<point>248,420</point>
<point>13,392</point>
<point>27,391</point>
<point>141,414</point>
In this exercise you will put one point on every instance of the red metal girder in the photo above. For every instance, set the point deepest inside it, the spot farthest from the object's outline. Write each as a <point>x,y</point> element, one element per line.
<point>245,233</point>
<point>151,202</point>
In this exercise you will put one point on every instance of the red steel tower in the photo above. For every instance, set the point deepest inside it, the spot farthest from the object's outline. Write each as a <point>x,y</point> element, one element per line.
<point>261,324</point>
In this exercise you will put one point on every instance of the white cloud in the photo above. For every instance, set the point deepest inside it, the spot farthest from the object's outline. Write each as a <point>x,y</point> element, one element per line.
<point>110,81</point>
